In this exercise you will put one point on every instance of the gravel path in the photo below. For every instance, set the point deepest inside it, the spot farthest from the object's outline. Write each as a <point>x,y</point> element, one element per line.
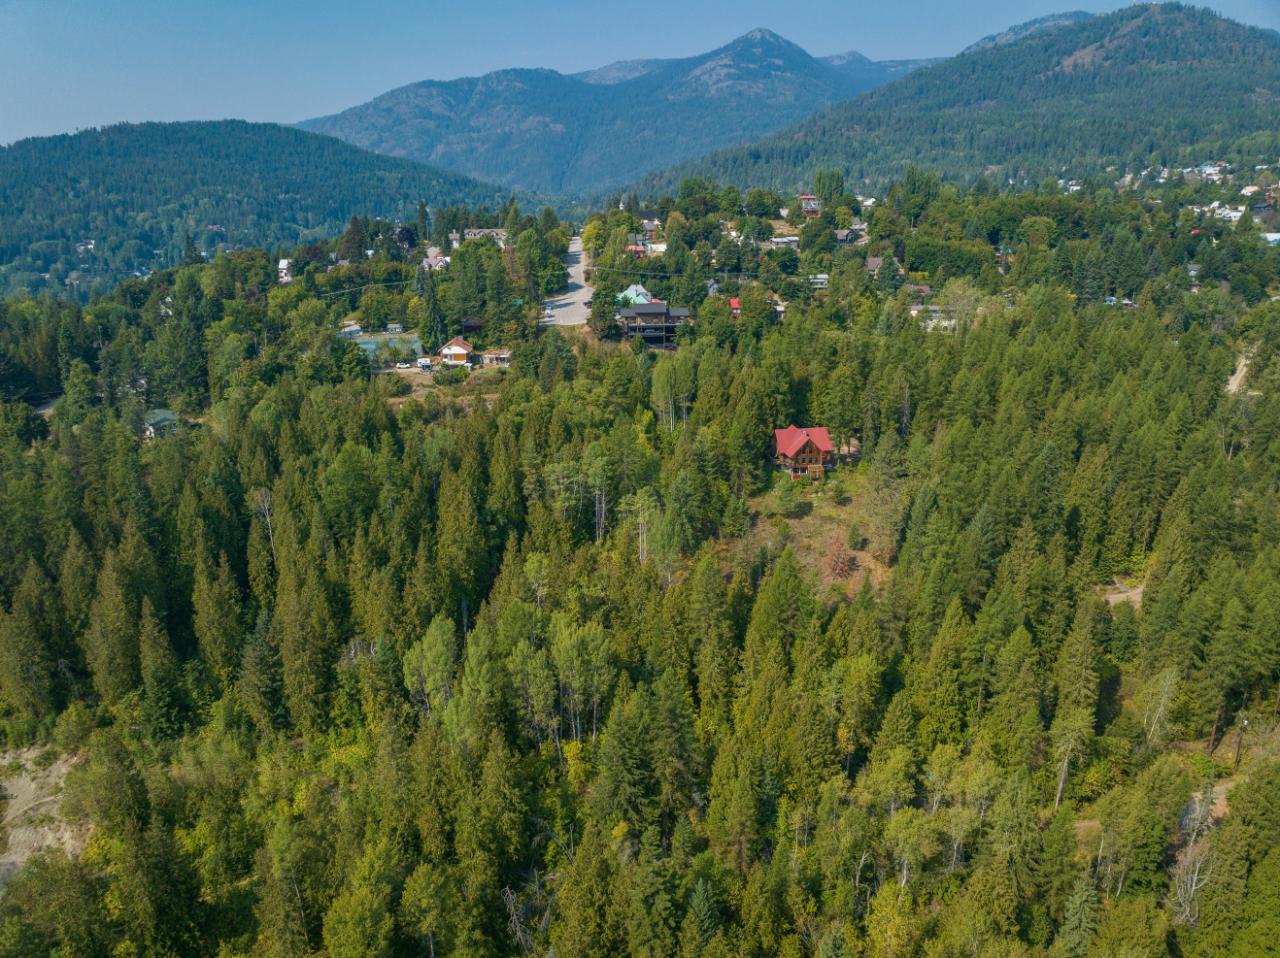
<point>570,307</point>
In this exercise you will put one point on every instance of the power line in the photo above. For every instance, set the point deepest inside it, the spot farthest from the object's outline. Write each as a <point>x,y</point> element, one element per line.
<point>615,269</point>
<point>356,289</point>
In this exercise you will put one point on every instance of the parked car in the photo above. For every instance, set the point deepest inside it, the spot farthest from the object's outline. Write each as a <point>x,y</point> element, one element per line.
<point>404,365</point>
<point>424,363</point>
<point>589,303</point>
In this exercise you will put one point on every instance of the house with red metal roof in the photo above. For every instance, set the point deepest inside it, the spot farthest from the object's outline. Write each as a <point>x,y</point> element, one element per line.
<point>456,352</point>
<point>803,452</point>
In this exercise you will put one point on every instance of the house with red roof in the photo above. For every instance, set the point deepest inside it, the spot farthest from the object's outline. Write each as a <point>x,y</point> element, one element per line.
<point>803,452</point>
<point>456,352</point>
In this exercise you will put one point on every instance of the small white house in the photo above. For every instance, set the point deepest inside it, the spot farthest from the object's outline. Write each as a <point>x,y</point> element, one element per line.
<point>284,271</point>
<point>395,327</point>
<point>456,352</point>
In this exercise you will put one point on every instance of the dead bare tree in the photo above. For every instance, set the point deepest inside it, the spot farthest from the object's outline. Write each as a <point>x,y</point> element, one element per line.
<point>1193,868</point>
<point>260,499</point>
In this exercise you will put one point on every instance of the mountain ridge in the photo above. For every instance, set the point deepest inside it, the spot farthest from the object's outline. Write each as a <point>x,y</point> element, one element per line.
<point>138,190</point>
<point>1051,21</point>
<point>1053,99</point>
<point>543,130</point>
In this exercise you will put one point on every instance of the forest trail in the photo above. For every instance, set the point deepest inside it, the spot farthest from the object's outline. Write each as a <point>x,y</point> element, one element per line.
<point>1119,592</point>
<point>32,823</point>
<point>1236,382</point>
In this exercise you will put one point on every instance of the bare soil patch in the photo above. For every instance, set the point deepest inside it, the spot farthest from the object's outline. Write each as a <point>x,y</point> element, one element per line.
<point>1120,591</point>
<point>32,820</point>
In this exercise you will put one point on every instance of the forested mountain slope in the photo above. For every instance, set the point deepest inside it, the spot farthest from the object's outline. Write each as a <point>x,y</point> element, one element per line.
<point>553,662</point>
<point>137,192</point>
<point>541,130</point>
<point>1148,84</point>
<point>1051,22</point>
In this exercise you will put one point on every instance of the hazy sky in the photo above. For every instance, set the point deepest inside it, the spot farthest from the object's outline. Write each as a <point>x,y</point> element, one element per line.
<point>70,64</point>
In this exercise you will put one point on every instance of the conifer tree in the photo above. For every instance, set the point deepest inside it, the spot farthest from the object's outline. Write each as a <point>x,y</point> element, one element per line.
<point>161,679</point>
<point>218,627</point>
<point>111,640</point>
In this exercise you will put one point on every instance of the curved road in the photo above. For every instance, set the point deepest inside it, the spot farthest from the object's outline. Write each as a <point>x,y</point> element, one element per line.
<point>570,307</point>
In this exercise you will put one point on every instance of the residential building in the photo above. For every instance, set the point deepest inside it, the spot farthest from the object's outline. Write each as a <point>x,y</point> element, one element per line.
<point>350,330</point>
<point>656,323</point>
<point>158,422</point>
<point>633,294</point>
<point>810,206</point>
<point>456,352</point>
<point>496,357</point>
<point>803,452</point>
<point>499,236</point>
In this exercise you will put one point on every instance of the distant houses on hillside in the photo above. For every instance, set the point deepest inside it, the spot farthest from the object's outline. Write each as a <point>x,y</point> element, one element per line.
<point>498,235</point>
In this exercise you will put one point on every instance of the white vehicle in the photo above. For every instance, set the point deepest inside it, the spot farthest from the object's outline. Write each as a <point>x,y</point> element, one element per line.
<point>404,365</point>
<point>424,363</point>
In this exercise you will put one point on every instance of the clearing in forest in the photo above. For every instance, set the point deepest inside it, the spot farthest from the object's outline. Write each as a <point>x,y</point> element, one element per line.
<point>32,821</point>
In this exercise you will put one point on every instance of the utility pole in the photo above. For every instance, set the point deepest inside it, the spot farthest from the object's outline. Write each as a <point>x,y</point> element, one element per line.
<point>1244,724</point>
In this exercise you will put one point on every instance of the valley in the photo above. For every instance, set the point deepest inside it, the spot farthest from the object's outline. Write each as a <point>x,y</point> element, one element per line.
<point>748,504</point>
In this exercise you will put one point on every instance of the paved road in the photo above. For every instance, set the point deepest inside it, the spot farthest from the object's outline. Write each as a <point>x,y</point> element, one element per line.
<point>570,307</point>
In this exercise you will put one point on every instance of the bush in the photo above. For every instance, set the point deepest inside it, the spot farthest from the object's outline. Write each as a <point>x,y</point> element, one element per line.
<point>786,498</point>
<point>855,540</point>
<point>73,727</point>
<point>450,377</point>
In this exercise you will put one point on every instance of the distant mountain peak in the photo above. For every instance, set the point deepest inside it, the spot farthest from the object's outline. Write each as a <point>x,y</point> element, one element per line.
<point>762,41</point>
<point>848,57</point>
<point>549,132</point>
<point>1181,81</point>
<point>765,35</point>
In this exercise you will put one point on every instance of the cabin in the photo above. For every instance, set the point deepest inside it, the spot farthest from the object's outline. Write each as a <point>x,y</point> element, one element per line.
<point>656,323</point>
<point>284,271</point>
<point>456,352</point>
<point>500,358</point>
<point>810,206</point>
<point>159,422</point>
<point>350,330</point>
<point>803,452</point>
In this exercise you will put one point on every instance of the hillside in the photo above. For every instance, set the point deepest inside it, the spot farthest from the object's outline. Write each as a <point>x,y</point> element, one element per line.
<point>137,192</point>
<point>1040,24</point>
<point>554,661</point>
<point>547,131</point>
<point>1147,84</point>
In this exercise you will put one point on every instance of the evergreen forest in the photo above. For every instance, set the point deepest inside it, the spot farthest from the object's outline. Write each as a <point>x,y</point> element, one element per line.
<point>552,661</point>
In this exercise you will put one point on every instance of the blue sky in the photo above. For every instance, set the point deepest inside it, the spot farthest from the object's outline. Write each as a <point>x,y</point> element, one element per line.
<point>70,64</point>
